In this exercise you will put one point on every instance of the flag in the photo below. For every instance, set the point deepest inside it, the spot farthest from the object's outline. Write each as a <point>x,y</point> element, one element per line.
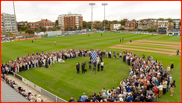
<point>94,56</point>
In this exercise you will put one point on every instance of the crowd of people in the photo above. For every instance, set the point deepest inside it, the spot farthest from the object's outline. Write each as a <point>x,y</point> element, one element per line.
<point>147,81</point>
<point>28,95</point>
<point>45,59</point>
<point>98,65</point>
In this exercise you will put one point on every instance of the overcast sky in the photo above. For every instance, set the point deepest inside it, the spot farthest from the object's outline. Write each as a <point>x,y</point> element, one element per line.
<point>33,11</point>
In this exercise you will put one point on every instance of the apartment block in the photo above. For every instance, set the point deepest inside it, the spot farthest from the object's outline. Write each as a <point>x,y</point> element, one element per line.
<point>177,23</point>
<point>69,19</point>
<point>8,23</point>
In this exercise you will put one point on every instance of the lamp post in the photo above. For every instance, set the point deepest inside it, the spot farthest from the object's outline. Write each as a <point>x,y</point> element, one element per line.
<point>15,18</point>
<point>104,4</point>
<point>92,4</point>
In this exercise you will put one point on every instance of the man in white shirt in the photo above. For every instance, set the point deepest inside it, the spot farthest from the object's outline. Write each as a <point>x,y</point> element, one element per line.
<point>102,66</point>
<point>164,86</point>
<point>160,89</point>
<point>98,59</point>
<point>38,98</point>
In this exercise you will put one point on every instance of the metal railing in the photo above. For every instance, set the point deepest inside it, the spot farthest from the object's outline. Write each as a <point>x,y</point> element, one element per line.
<point>38,88</point>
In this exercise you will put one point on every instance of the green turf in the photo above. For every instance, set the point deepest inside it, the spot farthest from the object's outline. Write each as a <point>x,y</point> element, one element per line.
<point>62,80</point>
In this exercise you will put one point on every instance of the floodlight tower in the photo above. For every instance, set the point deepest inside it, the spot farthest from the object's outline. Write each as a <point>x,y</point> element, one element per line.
<point>92,4</point>
<point>15,18</point>
<point>104,4</point>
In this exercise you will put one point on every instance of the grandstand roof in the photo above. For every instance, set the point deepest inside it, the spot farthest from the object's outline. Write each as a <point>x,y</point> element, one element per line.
<point>8,94</point>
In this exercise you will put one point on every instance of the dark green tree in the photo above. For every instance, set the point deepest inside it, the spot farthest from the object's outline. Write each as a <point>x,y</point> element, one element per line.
<point>107,28</point>
<point>50,29</point>
<point>88,25</point>
<point>121,28</point>
<point>122,22</point>
<point>169,19</point>
<point>154,30</point>
<point>43,29</point>
<point>149,29</point>
<point>80,28</point>
<point>160,19</point>
<point>29,31</point>
<point>56,23</point>
<point>58,27</point>
<point>53,29</point>
<point>84,24</point>
<point>97,22</point>
<point>75,27</point>
<point>106,21</point>
<point>23,28</point>
<point>114,21</point>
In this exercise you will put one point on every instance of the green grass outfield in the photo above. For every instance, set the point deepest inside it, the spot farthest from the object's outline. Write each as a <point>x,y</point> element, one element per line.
<point>62,80</point>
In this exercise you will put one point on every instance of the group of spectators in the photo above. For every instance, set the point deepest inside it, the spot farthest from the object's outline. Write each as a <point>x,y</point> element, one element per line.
<point>28,95</point>
<point>147,81</point>
<point>44,59</point>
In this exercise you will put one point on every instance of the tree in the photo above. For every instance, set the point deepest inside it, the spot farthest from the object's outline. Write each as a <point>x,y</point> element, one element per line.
<point>121,28</point>
<point>169,19</point>
<point>49,28</point>
<point>23,28</point>
<point>149,29</point>
<point>160,19</point>
<point>37,30</point>
<point>98,27</point>
<point>29,31</point>
<point>68,28</point>
<point>58,27</point>
<point>56,23</point>
<point>133,20</point>
<point>154,30</point>
<point>122,22</point>
<point>53,29</point>
<point>84,24</point>
<point>114,21</point>
<point>75,27</point>
<point>80,28</point>
<point>107,28</point>
<point>43,29</point>
<point>106,21</point>
<point>88,25</point>
<point>97,22</point>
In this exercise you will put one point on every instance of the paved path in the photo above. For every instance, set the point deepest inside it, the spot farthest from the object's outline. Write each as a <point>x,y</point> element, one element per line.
<point>27,88</point>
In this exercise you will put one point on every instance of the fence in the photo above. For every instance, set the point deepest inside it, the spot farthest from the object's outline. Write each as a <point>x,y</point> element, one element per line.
<point>38,88</point>
<point>65,33</point>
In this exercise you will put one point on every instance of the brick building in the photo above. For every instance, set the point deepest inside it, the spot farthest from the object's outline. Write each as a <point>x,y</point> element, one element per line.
<point>145,24</point>
<point>42,23</point>
<point>71,20</point>
<point>33,25</point>
<point>46,23</point>
<point>131,25</point>
<point>163,23</point>
<point>22,23</point>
